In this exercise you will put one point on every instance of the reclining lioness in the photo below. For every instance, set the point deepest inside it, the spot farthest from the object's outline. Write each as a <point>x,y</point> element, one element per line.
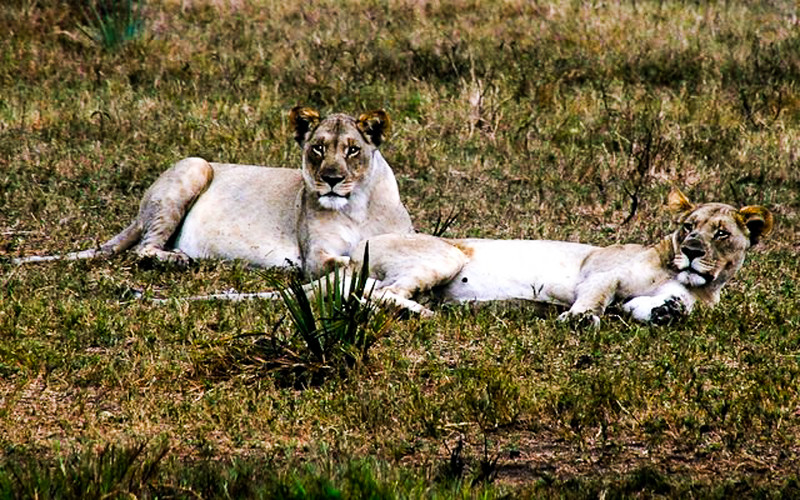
<point>653,284</point>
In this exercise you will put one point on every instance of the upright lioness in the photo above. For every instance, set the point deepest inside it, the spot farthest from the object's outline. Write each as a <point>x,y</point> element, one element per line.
<point>272,217</point>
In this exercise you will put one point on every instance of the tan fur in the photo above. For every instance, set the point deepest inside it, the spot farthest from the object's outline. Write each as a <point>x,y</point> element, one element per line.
<point>272,217</point>
<point>466,250</point>
<point>409,264</point>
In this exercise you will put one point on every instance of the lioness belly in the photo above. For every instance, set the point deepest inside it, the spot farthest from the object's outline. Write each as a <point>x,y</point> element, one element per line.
<point>540,270</point>
<point>248,213</point>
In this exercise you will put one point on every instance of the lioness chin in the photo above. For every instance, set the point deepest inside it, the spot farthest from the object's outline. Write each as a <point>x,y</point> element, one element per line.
<point>311,217</point>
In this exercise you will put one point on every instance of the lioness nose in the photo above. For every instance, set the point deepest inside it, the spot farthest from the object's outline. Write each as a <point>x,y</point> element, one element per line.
<point>332,180</point>
<point>692,252</point>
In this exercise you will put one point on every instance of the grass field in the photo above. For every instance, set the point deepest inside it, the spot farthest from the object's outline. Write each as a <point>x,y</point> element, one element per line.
<point>568,120</point>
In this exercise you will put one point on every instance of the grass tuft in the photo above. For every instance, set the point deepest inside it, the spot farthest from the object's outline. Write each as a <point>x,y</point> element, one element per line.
<point>111,471</point>
<point>112,23</point>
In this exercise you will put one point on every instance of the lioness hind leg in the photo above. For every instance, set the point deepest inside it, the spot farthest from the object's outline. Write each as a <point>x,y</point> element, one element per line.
<point>160,213</point>
<point>166,202</point>
<point>408,264</point>
<point>377,292</point>
<point>121,241</point>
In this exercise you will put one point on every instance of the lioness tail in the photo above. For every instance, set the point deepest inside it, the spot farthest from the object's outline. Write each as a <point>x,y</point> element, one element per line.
<point>122,241</point>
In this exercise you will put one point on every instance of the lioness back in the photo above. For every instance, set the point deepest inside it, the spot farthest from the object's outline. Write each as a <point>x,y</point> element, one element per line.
<point>247,212</point>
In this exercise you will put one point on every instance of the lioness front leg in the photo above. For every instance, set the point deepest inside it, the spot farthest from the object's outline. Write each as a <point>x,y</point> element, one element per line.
<point>592,296</point>
<point>166,202</point>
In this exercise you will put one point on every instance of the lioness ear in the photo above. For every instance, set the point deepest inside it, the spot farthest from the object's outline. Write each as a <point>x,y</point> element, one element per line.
<point>302,119</point>
<point>758,220</point>
<point>678,202</point>
<point>375,125</point>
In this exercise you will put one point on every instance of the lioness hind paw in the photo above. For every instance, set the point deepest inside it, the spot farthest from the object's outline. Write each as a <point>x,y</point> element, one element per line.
<point>171,256</point>
<point>671,311</point>
<point>579,320</point>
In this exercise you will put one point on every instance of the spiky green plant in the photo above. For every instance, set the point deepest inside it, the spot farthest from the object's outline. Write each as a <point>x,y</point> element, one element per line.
<point>112,23</point>
<point>336,323</point>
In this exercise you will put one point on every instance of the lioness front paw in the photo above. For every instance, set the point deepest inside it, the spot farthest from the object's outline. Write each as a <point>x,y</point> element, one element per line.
<point>659,310</point>
<point>580,319</point>
<point>672,310</point>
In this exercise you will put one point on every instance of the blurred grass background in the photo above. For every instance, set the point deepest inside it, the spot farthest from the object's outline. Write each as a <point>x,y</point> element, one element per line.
<point>568,120</point>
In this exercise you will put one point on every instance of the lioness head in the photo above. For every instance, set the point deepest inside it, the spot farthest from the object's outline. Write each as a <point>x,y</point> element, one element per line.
<point>712,238</point>
<point>337,151</point>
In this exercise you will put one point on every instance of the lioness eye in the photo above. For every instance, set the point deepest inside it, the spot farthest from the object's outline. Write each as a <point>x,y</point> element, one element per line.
<point>318,149</point>
<point>352,151</point>
<point>721,234</point>
<point>688,226</point>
